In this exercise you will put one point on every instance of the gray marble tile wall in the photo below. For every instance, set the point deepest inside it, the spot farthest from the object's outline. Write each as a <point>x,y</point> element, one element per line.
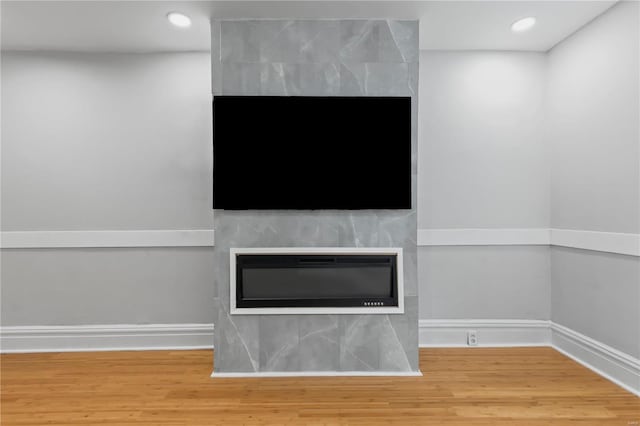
<point>306,58</point>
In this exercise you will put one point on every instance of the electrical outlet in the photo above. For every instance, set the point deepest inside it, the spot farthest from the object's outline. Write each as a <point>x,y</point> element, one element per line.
<point>472,338</point>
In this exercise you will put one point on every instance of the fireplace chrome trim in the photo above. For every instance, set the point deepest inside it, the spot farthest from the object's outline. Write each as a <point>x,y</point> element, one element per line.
<point>397,251</point>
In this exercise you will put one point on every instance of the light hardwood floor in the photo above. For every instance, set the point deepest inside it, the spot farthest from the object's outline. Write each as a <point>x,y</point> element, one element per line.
<point>480,386</point>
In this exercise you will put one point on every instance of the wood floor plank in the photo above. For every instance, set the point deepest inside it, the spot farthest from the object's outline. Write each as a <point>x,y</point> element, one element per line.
<point>479,386</point>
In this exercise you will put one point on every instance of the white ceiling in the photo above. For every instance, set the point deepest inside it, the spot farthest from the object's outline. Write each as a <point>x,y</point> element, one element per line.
<point>142,26</point>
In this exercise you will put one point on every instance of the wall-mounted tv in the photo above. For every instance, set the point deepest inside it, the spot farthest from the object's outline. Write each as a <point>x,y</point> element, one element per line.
<point>311,153</point>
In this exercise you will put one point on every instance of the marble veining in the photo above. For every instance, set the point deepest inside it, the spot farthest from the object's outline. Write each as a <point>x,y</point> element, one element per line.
<point>319,343</point>
<point>317,58</point>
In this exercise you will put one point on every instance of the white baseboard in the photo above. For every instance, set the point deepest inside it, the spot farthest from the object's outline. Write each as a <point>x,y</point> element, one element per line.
<point>612,364</point>
<point>490,333</point>
<point>219,375</point>
<point>117,337</point>
<point>618,367</point>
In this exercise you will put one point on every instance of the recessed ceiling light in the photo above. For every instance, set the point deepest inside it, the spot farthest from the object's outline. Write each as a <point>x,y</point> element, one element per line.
<point>523,24</point>
<point>179,19</point>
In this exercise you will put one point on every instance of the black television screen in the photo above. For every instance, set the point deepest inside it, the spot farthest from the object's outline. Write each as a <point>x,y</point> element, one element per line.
<point>305,152</point>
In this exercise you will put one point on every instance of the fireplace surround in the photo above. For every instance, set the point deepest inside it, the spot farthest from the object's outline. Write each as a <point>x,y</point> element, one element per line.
<point>316,58</point>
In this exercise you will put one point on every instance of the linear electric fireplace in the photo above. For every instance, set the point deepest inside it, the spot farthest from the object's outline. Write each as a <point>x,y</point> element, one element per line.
<point>316,280</point>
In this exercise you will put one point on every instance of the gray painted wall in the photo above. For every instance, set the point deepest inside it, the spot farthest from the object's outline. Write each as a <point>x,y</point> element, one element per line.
<point>598,294</point>
<point>483,159</point>
<point>107,286</point>
<point>483,164</point>
<point>484,282</point>
<point>594,108</point>
<point>332,57</point>
<point>106,142</point>
<point>594,119</point>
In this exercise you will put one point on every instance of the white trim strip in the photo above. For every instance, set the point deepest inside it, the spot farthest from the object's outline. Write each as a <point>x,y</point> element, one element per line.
<point>611,242</point>
<point>483,237</point>
<point>91,239</point>
<point>117,337</point>
<point>219,375</point>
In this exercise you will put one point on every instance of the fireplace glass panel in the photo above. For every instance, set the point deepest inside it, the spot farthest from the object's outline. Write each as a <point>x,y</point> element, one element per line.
<point>316,280</point>
<point>294,283</point>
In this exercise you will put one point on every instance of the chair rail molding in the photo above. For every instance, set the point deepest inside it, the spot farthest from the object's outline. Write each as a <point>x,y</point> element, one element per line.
<point>483,236</point>
<point>94,239</point>
<point>610,242</point>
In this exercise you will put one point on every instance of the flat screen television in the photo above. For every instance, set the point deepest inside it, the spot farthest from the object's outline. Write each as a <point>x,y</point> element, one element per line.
<point>311,153</point>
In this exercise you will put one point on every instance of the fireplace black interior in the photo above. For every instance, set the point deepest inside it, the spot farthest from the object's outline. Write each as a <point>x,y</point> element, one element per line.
<point>316,280</point>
